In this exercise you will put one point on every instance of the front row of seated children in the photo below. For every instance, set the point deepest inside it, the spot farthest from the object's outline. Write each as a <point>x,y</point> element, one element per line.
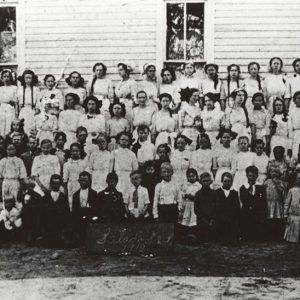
<point>256,213</point>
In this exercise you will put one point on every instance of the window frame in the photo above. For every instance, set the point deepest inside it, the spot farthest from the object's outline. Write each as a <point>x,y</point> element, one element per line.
<point>20,33</point>
<point>161,31</point>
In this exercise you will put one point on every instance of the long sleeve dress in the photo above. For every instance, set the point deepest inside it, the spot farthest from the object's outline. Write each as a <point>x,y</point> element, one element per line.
<point>202,161</point>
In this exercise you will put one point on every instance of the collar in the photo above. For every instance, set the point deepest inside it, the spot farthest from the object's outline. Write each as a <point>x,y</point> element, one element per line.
<point>247,185</point>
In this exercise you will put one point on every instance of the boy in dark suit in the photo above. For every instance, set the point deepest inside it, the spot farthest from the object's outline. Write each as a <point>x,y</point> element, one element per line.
<point>228,211</point>
<point>205,208</point>
<point>110,202</point>
<point>254,207</point>
<point>56,213</point>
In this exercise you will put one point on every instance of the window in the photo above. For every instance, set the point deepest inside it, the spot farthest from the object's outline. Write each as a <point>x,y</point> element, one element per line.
<point>185,32</point>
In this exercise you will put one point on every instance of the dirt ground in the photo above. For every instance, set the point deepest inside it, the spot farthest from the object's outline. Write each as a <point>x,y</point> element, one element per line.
<point>18,261</point>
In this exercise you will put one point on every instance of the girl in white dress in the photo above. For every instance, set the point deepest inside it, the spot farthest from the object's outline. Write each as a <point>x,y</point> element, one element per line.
<point>28,98</point>
<point>261,161</point>
<point>232,82</point>
<point>123,161</point>
<point>190,78</point>
<point>142,114</point>
<point>252,84</point>
<point>51,92</point>
<point>212,84</point>
<point>276,84</point>
<point>294,82</point>
<point>149,84</point>
<point>244,159</point>
<point>71,170</point>
<point>169,86</point>
<point>126,89</point>
<point>211,118</point>
<point>101,88</point>
<point>281,127</point>
<point>92,120</point>
<point>202,159</point>
<point>187,216</point>
<point>76,86</point>
<point>69,119</point>
<point>163,124</point>
<point>43,167</point>
<point>189,116</point>
<point>236,117</point>
<point>99,164</point>
<point>116,124</point>
<point>260,118</point>
<point>295,120</point>
<point>8,102</point>
<point>224,157</point>
<point>180,159</point>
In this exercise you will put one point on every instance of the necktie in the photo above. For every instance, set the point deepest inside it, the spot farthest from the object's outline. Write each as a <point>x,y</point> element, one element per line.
<point>90,117</point>
<point>251,189</point>
<point>135,198</point>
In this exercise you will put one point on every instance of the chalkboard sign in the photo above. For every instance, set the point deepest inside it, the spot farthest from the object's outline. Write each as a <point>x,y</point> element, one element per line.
<point>129,239</point>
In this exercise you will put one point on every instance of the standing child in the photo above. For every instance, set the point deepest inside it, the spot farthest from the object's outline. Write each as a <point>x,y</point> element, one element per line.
<point>143,148</point>
<point>136,199</point>
<point>261,161</point>
<point>28,99</point>
<point>111,208</point>
<point>69,118</point>
<point>43,166</point>
<point>294,81</point>
<point>60,140</point>
<point>8,101</point>
<point>72,168</point>
<point>254,207</point>
<point>202,159</point>
<point>123,161</point>
<point>244,158</point>
<point>205,208</point>
<point>292,213</point>
<point>163,152</point>
<point>30,154</point>
<point>187,217</point>
<point>276,190</point>
<point>279,162</point>
<point>17,128</point>
<point>76,86</point>
<point>190,78</point>
<point>12,173</point>
<point>180,159</point>
<point>295,122</point>
<point>99,162</point>
<point>167,197</point>
<point>228,211</point>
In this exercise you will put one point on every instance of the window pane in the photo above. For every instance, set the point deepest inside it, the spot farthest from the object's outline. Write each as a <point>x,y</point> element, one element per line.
<point>195,31</point>
<point>175,32</point>
<point>8,47</point>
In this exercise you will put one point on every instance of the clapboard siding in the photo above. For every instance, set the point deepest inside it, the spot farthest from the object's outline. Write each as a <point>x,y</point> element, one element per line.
<point>256,31</point>
<point>74,35</point>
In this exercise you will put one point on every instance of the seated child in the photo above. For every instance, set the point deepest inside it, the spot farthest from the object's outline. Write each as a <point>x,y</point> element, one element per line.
<point>254,207</point>
<point>56,207</point>
<point>292,213</point>
<point>205,208</point>
<point>228,211</point>
<point>149,181</point>
<point>167,197</point>
<point>136,199</point>
<point>276,190</point>
<point>11,215</point>
<point>110,206</point>
<point>187,217</point>
<point>143,148</point>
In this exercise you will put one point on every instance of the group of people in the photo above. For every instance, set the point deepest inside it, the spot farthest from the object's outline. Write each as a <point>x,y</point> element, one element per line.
<point>203,153</point>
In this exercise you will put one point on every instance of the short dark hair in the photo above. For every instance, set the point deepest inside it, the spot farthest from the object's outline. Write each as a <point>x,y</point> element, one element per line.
<point>56,177</point>
<point>252,169</point>
<point>226,174</point>
<point>143,127</point>
<point>112,176</point>
<point>60,134</point>
<point>86,174</point>
<point>135,172</point>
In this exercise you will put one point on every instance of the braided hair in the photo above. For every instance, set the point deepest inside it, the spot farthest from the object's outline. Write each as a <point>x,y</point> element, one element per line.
<point>33,83</point>
<point>229,78</point>
<point>258,78</point>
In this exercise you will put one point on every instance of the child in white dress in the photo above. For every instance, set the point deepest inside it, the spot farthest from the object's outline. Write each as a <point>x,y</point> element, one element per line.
<point>8,101</point>
<point>180,159</point>
<point>261,161</point>
<point>295,122</point>
<point>244,159</point>
<point>69,118</point>
<point>99,164</point>
<point>163,124</point>
<point>11,214</point>
<point>190,79</point>
<point>123,161</point>
<point>294,82</point>
<point>71,170</point>
<point>28,98</point>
